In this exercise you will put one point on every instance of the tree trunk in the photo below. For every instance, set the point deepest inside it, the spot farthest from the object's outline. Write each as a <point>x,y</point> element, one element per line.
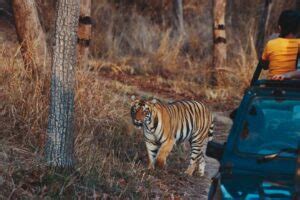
<point>262,26</point>
<point>31,35</point>
<point>60,133</point>
<point>219,36</point>
<point>178,28</point>
<point>229,12</point>
<point>84,32</point>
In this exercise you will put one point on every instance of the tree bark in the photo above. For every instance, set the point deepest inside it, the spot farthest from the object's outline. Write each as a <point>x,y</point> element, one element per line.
<point>84,32</point>
<point>31,35</point>
<point>262,26</point>
<point>60,133</point>
<point>178,28</point>
<point>219,36</point>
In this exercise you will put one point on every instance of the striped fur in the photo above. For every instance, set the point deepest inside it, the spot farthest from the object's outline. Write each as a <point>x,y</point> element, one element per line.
<point>167,124</point>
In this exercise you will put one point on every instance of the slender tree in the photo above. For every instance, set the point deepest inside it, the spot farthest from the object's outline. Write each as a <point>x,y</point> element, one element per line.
<point>31,35</point>
<point>219,39</point>
<point>84,31</point>
<point>262,27</point>
<point>60,132</point>
<point>178,28</point>
<point>229,12</point>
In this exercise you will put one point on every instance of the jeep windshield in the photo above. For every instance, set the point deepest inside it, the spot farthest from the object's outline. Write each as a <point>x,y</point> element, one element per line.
<point>270,125</point>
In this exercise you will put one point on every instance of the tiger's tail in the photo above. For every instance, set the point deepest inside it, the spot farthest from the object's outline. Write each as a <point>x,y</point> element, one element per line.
<point>211,132</point>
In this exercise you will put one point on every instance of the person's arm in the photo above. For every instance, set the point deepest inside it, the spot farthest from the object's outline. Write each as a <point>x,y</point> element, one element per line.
<point>264,63</point>
<point>265,58</point>
<point>287,76</point>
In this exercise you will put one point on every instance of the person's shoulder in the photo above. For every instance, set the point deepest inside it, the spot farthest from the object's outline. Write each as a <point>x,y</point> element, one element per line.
<point>293,41</point>
<point>273,36</point>
<point>273,43</point>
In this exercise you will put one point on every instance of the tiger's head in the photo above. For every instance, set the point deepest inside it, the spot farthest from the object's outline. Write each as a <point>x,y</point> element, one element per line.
<point>142,111</point>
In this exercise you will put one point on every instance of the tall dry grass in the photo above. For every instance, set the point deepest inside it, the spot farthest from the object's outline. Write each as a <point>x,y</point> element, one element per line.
<point>111,156</point>
<point>109,152</point>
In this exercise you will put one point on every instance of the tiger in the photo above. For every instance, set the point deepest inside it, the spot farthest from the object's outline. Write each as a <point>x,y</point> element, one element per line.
<point>167,124</point>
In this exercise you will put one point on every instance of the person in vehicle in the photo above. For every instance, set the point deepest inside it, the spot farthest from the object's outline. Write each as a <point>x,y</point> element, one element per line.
<point>281,53</point>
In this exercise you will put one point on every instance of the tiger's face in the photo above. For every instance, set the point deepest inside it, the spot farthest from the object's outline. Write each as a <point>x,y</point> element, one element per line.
<point>141,112</point>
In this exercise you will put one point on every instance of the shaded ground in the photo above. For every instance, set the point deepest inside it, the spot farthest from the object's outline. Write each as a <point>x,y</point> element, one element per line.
<point>158,86</point>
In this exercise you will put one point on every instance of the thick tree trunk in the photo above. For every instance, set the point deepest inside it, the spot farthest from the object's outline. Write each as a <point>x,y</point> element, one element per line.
<point>262,26</point>
<point>178,28</point>
<point>84,31</point>
<point>219,36</point>
<point>60,133</point>
<point>31,35</point>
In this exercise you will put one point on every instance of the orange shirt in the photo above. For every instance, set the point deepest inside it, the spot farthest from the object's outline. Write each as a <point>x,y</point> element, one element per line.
<point>282,55</point>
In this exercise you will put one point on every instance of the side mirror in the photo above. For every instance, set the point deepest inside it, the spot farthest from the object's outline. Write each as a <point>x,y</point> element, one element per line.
<point>215,150</point>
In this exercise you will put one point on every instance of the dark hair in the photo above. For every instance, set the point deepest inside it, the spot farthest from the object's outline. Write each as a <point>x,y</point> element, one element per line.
<point>289,22</point>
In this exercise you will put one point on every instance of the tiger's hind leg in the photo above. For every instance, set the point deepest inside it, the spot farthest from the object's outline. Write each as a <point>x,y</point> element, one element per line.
<point>197,156</point>
<point>202,161</point>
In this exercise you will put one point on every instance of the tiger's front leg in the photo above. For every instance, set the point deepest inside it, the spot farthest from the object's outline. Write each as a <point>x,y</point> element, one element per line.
<point>152,150</point>
<point>163,153</point>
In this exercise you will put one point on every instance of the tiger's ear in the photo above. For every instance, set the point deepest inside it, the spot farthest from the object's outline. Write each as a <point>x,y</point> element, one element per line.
<point>133,98</point>
<point>154,101</point>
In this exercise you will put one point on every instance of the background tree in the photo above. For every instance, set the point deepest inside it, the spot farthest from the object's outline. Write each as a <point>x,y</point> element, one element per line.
<point>229,12</point>
<point>219,38</point>
<point>178,28</point>
<point>60,133</point>
<point>262,27</point>
<point>84,31</point>
<point>30,34</point>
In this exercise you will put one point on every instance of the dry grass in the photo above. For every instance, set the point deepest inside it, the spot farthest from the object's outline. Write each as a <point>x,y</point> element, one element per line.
<point>111,156</point>
<point>132,50</point>
<point>130,39</point>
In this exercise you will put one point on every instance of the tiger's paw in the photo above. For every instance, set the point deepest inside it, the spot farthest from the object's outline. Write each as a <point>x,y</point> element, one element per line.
<point>151,166</point>
<point>190,170</point>
<point>201,173</point>
<point>201,170</point>
<point>161,164</point>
